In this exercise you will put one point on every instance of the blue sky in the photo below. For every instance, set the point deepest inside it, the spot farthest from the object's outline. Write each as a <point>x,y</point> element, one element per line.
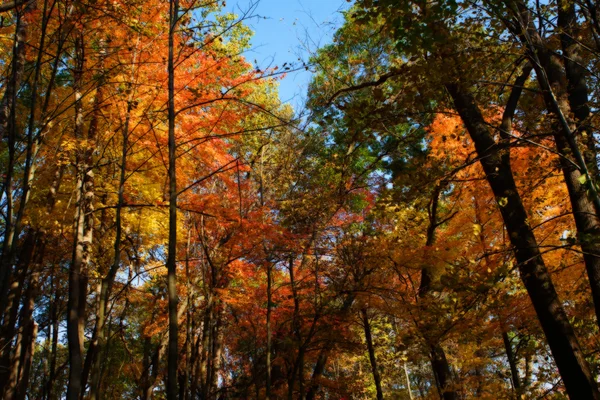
<point>292,29</point>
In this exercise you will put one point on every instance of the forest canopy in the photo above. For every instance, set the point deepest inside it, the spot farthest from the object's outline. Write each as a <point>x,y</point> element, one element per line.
<point>426,225</point>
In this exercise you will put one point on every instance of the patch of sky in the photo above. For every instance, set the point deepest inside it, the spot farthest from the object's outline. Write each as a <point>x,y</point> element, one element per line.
<point>290,31</point>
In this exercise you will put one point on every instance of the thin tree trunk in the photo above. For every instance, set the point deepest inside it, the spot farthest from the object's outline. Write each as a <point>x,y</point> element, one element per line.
<point>371,349</point>
<point>54,347</point>
<point>8,129</point>
<point>296,324</point>
<point>185,388</point>
<point>430,281</point>
<point>217,351</point>
<point>512,362</point>
<point>108,280</point>
<point>173,349</point>
<point>9,326</point>
<point>206,334</point>
<point>269,333</point>
<point>83,238</point>
<point>410,395</point>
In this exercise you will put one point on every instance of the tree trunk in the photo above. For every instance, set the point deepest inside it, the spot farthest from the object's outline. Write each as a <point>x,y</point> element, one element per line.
<point>84,228</point>
<point>563,343</point>
<point>26,360</point>
<point>371,349</point>
<point>584,212</point>
<point>269,334</point>
<point>217,351</point>
<point>577,89</point>
<point>512,362</point>
<point>551,77</point>
<point>430,282</point>
<point>206,349</point>
<point>8,129</point>
<point>324,355</point>
<point>173,348</point>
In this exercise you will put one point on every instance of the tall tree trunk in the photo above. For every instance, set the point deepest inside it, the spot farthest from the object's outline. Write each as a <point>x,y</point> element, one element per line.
<point>11,384</point>
<point>574,99</point>
<point>173,348</point>
<point>84,228</point>
<point>217,350</point>
<point>324,354</point>
<point>577,88</point>
<point>9,326</point>
<point>8,129</point>
<point>54,314</point>
<point>563,343</point>
<point>371,349</point>
<point>49,387</point>
<point>555,84</point>
<point>26,361</point>
<point>430,282</point>
<point>407,376</point>
<point>189,326</point>
<point>298,368</point>
<point>108,280</point>
<point>206,348</point>
<point>269,334</point>
<point>29,329</point>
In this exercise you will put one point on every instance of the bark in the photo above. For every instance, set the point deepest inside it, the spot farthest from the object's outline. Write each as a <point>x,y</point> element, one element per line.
<point>495,161</point>
<point>205,355</point>
<point>108,280</point>
<point>577,89</point>
<point>189,348</point>
<point>26,360</point>
<point>84,228</point>
<point>29,333</point>
<point>151,360</point>
<point>430,282</point>
<point>324,354</point>
<point>371,349</point>
<point>50,202</point>
<point>32,236</point>
<point>269,333</point>
<point>11,5</point>
<point>49,389</point>
<point>8,129</point>
<point>408,389</point>
<point>441,371</point>
<point>173,349</point>
<point>298,368</point>
<point>217,352</point>
<point>559,89</point>
<point>11,383</point>
<point>512,362</point>
<point>528,370</point>
<point>9,326</point>
<point>317,372</point>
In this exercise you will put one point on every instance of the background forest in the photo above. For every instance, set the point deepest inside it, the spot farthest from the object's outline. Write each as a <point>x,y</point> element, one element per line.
<point>427,227</point>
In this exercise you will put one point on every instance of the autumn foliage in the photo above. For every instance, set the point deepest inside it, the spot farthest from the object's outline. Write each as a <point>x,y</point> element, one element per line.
<point>427,229</point>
